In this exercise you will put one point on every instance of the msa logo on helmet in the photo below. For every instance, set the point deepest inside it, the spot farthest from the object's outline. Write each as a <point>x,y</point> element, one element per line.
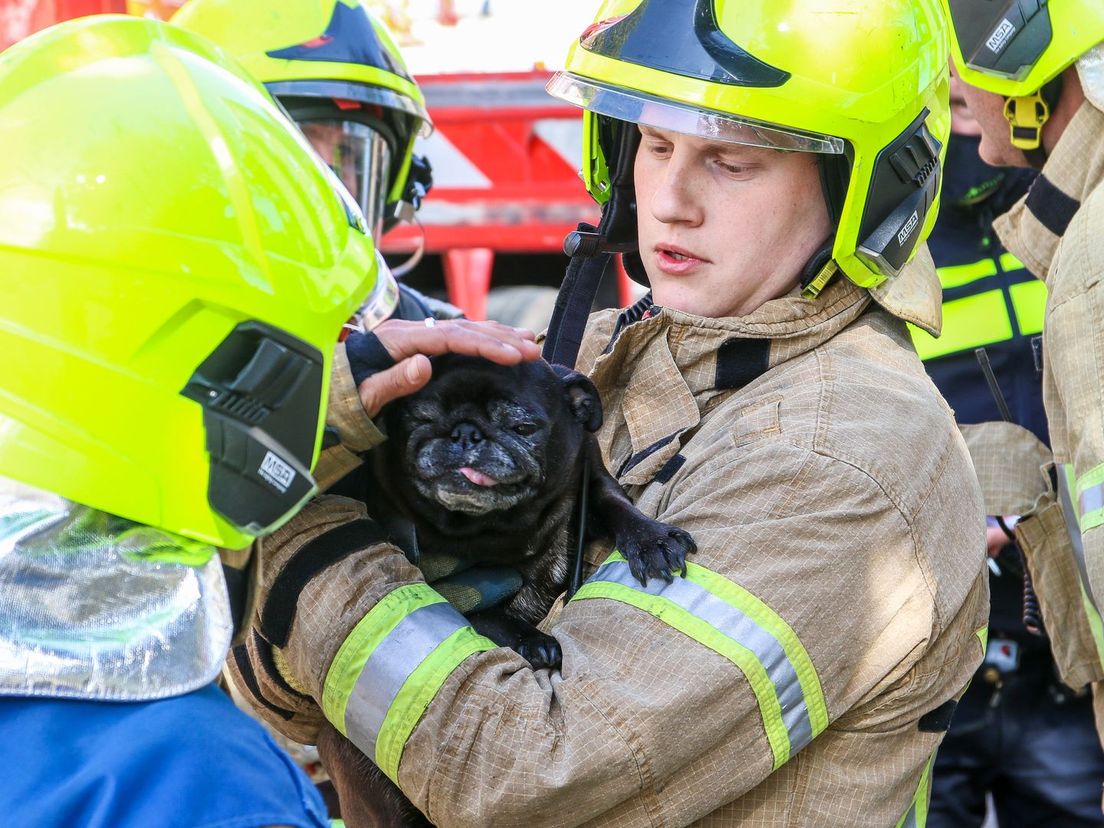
<point>1000,36</point>
<point>906,231</point>
<point>276,472</point>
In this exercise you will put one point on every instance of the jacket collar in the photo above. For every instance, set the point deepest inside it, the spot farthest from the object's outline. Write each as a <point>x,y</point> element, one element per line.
<point>1033,227</point>
<point>701,348</point>
<point>659,375</point>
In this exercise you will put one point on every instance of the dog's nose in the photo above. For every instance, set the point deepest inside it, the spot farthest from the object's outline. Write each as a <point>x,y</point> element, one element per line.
<point>467,435</point>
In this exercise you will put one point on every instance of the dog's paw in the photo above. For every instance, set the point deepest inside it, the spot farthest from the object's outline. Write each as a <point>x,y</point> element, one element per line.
<point>656,550</point>
<point>540,651</point>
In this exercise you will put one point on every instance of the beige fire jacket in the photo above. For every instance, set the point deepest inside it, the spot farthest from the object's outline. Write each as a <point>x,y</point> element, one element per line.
<point>1056,231</point>
<point>800,674</point>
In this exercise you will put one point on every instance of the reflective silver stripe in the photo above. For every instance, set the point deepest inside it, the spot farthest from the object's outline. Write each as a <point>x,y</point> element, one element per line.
<point>910,818</point>
<point>412,641</point>
<point>733,623</point>
<point>1091,499</point>
<point>1073,528</point>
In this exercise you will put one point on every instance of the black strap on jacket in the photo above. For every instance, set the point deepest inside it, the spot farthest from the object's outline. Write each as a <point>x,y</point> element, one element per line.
<point>592,249</point>
<point>1053,208</point>
<point>580,285</point>
<point>316,555</point>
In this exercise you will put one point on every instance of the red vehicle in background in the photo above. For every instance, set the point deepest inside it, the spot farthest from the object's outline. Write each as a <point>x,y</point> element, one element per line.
<point>19,18</point>
<point>505,155</point>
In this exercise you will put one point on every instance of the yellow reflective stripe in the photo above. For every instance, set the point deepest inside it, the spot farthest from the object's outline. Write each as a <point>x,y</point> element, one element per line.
<point>968,323</point>
<point>1096,626</point>
<point>419,690</point>
<point>983,636</point>
<point>402,173</point>
<point>917,814</point>
<point>366,636</point>
<point>1067,492</point>
<point>952,276</point>
<point>735,595</point>
<point>1010,262</point>
<point>680,619</point>
<point>1029,302</point>
<point>720,614</point>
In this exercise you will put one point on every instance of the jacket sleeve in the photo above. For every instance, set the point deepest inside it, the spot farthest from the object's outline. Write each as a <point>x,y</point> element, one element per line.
<point>1074,354</point>
<point>350,431</point>
<point>805,603</point>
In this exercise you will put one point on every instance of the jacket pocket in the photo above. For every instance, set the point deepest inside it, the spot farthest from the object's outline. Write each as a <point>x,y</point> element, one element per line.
<point>1045,542</point>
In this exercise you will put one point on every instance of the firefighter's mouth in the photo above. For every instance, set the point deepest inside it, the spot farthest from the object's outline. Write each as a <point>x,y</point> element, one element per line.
<point>680,253</point>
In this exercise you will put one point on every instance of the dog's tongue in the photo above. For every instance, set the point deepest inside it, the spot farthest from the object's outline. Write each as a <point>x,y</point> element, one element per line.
<point>478,478</point>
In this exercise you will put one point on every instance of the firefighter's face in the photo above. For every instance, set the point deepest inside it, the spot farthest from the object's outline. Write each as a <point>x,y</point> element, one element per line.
<point>987,108</point>
<point>963,121</point>
<point>331,143</point>
<point>723,228</point>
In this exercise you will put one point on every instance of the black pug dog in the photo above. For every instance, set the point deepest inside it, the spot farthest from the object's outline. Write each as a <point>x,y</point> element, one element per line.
<point>486,463</point>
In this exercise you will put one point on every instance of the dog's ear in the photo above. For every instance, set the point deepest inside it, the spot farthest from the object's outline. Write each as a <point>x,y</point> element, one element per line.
<point>582,397</point>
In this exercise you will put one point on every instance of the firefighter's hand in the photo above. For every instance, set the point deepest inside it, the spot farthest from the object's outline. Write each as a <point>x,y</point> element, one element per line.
<point>410,344</point>
<point>995,540</point>
<point>995,536</point>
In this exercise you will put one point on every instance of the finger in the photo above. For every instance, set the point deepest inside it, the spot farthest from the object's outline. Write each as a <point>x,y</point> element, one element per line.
<point>399,380</point>
<point>492,324</point>
<point>490,340</point>
<point>502,345</point>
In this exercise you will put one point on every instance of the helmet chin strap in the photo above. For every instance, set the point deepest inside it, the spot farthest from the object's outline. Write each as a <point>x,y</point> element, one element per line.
<point>819,270</point>
<point>821,267</point>
<point>1027,116</point>
<point>592,250</point>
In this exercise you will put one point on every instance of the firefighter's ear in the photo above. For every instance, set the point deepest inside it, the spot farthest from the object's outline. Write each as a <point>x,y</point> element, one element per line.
<point>582,397</point>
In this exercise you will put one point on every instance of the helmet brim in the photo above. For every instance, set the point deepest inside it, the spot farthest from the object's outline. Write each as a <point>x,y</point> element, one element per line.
<point>360,92</point>
<point>640,108</point>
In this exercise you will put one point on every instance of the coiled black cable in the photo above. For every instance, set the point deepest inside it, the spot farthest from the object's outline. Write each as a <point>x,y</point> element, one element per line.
<point>1032,614</point>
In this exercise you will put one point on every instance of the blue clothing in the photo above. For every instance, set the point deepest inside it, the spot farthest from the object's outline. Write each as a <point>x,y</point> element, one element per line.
<point>192,761</point>
<point>958,375</point>
<point>963,235</point>
<point>973,193</point>
<point>1030,744</point>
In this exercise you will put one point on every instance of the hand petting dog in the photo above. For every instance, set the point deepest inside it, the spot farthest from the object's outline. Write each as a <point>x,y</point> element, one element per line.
<point>410,344</point>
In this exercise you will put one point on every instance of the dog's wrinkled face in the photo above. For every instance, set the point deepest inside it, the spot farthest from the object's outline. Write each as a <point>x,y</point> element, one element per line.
<point>483,438</point>
<point>478,457</point>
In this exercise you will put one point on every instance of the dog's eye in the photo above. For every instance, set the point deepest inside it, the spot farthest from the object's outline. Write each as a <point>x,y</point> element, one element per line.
<point>526,429</point>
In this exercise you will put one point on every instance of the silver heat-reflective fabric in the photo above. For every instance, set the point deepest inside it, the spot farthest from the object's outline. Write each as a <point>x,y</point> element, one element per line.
<point>86,614</point>
<point>1090,69</point>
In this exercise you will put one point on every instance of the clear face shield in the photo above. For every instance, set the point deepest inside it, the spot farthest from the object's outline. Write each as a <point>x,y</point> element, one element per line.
<point>641,108</point>
<point>381,302</point>
<point>361,158</point>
